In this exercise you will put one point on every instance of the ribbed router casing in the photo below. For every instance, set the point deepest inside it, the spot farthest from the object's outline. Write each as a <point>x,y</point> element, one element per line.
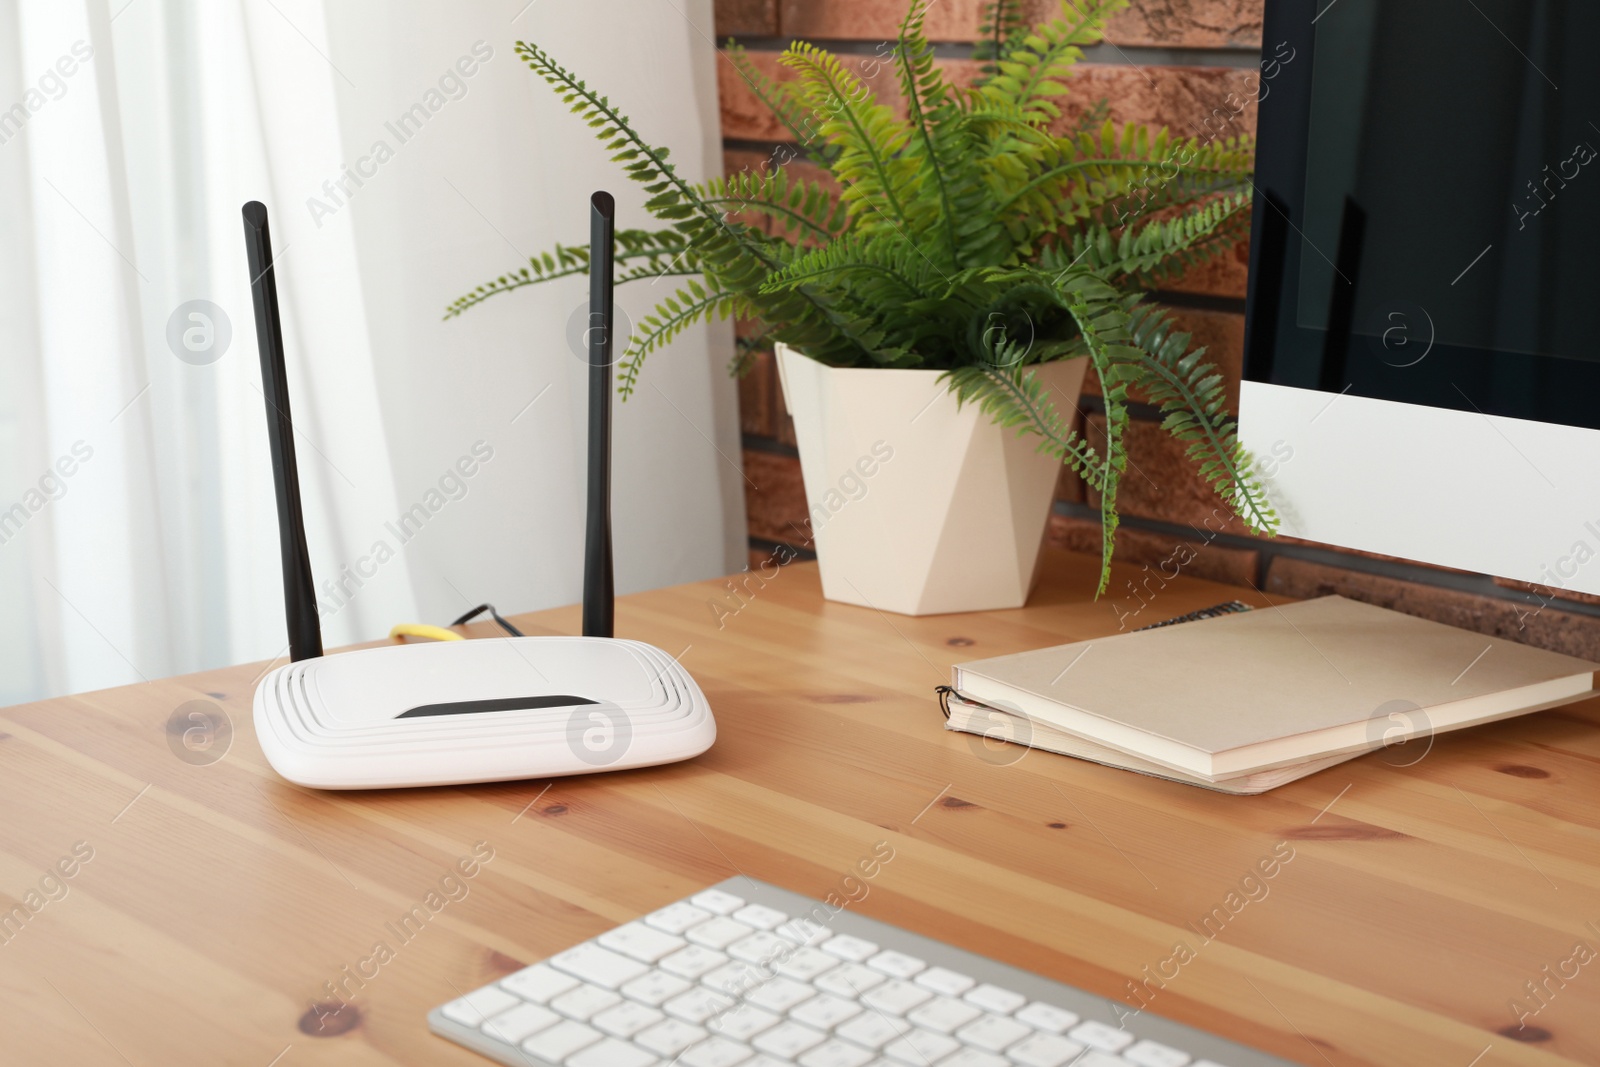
<point>341,722</point>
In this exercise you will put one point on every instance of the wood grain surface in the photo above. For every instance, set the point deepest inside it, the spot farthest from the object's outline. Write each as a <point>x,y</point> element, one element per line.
<point>218,905</point>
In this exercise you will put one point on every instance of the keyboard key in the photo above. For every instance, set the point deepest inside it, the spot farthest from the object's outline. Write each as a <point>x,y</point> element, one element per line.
<point>944,981</point>
<point>825,1011</point>
<point>805,964</point>
<point>1101,1035</point>
<point>760,947</point>
<point>520,1023</point>
<point>993,999</point>
<point>697,1005</point>
<point>557,1042</point>
<point>743,1022</point>
<point>654,988</point>
<point>943,1014</point>
<point>609,1052</point>
<point>676,918</point>
<point>836,1053</point>
<point>1047,1017</point>
<point>854,949</point>
<point>1155,1054</point>
<point>849,980</point>
<point>788,1040</point>
<point>735,979</point>
<point>1045,1050</point>
<point>717,902</point>
<point>719,932</point>
<point>692,962</point>
<point>1096,1058</point>
<point>715,1052</point>
<point>920,1047</point>
<point>478,1006</point>
<point>895,997</point>
<point>804,931</point>
<point>761,917</point>
<point>993,1033</point>
<point>638,941</point>
<point>779,994</point>
<point>971,1057</point>
<point>896,964</point>
<point>598,966</point>
<point>626,1019</point>
<point>538,983</point>
<point>670,1037</point>
<point>871,1030</point>
<point>584,1001</point>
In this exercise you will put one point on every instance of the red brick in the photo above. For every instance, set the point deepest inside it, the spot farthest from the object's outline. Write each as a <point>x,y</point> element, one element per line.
<point>757,17</point>
<point>877,20</point>
<point>775,498</point>
<point>1190,101</point>
<point>756,399</point>
<point>1217,563</point>
<point>1157,23</point>
<point>1549,627</point>
<point>1185,23</point>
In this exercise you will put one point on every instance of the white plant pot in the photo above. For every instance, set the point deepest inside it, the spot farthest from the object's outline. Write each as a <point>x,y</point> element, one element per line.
<point>919,507</point>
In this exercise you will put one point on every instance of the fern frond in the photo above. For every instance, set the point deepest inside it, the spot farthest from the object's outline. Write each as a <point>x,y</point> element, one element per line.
<point>877,178</point>
<point>1002,30</point>
<point>1033,71</point>
<point>671,317</point>
<point>648,255</point>
<point>783,101</point>
<point>1013,396</point>
<point>1189,393</point>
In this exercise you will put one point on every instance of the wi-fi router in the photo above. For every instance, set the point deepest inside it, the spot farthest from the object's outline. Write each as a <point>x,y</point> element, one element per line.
<point>455,712</point>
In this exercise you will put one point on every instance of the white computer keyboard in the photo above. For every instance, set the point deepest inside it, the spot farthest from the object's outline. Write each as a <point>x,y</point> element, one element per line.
<point>746,974</point>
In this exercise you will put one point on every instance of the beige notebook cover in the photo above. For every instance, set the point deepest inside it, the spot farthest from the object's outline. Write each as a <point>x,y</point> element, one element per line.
<point>1276,686</point>
<point>999,725</point>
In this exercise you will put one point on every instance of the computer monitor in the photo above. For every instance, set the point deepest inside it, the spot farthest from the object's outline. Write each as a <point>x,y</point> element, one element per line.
<point>1422,366</point>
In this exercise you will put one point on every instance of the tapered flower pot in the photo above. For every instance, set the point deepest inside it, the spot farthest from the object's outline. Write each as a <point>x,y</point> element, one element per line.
<point>917,506</point>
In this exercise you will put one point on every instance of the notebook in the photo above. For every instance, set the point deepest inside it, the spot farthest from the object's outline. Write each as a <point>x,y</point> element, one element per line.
<point>998,724</point>
<point>1271,688</point>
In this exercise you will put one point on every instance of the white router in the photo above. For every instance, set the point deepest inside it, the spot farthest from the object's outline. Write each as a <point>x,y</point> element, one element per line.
<point>456,712</point>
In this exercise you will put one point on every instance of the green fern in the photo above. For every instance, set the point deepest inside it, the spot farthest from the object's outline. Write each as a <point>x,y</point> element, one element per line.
<point>946,227</point>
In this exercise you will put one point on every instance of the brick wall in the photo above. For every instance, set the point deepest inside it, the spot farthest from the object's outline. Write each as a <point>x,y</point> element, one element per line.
<point>1165,62</point>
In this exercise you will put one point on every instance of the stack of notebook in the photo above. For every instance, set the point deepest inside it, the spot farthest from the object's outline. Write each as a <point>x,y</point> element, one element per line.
<point>1245,702</point>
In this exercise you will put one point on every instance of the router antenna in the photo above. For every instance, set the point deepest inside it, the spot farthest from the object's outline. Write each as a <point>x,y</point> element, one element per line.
<point>598,591</point>
<point>299,595</point>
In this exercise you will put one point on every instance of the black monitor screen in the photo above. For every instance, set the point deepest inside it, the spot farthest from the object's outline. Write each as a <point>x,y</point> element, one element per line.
<point>1427,225</point>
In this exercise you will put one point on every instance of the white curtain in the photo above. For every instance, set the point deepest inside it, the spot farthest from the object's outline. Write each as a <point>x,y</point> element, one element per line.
<point>440,461</point>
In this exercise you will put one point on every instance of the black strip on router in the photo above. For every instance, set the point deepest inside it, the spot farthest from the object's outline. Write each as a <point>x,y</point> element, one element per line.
<point>471,707</point>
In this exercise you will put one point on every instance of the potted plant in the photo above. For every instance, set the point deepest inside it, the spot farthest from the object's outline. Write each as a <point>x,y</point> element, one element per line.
<point>935,318</point>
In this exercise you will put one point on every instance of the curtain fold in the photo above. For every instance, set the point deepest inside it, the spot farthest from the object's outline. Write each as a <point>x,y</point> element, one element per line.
<point>440,462</point>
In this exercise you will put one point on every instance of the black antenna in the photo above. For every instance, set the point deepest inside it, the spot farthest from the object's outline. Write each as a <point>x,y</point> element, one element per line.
<point>299,595</point>
<point>598,592</point>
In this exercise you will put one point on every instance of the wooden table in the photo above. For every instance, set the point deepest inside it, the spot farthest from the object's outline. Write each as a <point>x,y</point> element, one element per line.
<point>220,901</point>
